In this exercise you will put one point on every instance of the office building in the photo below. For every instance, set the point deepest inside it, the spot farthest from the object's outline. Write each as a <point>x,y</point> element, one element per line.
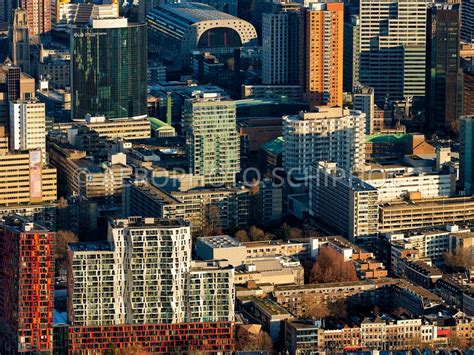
<point>6,8</point>
<point>344,203</point>
<point>56,7</point>
<point>109,69</point>
<point>431,243</point>
<point>402,182</point>
<point>292,92</point>
<point>330,134</point>
<point>443,80</point>
<point>28,126</point>
<point>56,69</point>
<point>176,30</point>
<point>227,209</point>
<point>363,101</point>
<point>27,279</point>
<point>221,247</point>
<point>25,180</point>
<point>392,48</point>
<point>321,35</point>
<point>412,214</point>
<point>15,85</point>
<point>466,154</point>
<point>83,13</point>
<point>100,182</point>
<point>113,129</point>
<point>467,20</point>
<point>38,15</point>
<point>351,53</point>
<point>280,48</point>
<point>212,141</point>
<point>19,40</point>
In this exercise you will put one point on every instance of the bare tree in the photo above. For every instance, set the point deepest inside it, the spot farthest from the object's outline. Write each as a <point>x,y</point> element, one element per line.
<point>63,238</point>
<point>331,267</point>
<point>315,306</point>
<point>211,225</point>
<point>459,258</point>
<point>241,235</point>
<point>257,234</point>
<point>262,341</point>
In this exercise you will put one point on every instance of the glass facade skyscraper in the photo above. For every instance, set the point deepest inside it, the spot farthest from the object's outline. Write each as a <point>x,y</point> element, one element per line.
<point>109,69</point>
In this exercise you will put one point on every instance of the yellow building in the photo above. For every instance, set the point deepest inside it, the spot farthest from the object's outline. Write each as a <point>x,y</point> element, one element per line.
<point>407,215</point>
<point>24,179</point>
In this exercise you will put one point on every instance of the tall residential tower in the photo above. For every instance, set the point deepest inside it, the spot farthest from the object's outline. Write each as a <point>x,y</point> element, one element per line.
<point>212,141</point>
<point>27,292</point>
<point>321,31</point>
<point>280,49</point>
<point>38,14</point>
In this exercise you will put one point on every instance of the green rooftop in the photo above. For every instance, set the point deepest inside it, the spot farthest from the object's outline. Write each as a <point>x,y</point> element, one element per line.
<point>385,138</point>
<point>157,124</point>
<point>265,101</point>
<point>275,146</point>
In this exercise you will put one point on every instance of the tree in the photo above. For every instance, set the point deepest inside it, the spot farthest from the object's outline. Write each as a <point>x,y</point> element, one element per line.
<point>257,234</point>
<point>331,267</point>
<point>461,257</point>
<point>63,238</point>
<point>310,232</point>
<point>211,225</point>
<point>241,235</point>
<point>254,187</point>
<point>262,341</point>
<point>287,232</point>
<point>314,306</point>
<point>338,309</point>
<point>399,311</point>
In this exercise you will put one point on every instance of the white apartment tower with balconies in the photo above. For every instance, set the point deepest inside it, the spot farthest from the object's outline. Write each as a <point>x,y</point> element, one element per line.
<point>143,274</point>
<point>330,134</point>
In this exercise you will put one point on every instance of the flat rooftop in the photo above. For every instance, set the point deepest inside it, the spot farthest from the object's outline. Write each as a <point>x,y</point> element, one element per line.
<point>323,285</point>
<point>91,246</point>
<point>21,224</point>
<point>270,307</point>
<point>220,241</point>
<point>140,222</point>
<point>430,202</point>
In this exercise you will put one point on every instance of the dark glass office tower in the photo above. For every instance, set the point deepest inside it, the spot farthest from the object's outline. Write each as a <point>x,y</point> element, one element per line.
<point>443,78</point>
<point>109,69</point>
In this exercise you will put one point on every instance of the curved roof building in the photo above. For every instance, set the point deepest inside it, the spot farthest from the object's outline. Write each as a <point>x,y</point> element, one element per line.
<point>184,27</point>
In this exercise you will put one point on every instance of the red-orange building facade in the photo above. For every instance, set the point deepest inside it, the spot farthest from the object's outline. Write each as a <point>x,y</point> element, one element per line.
<point>38,13</point>
<point>153,338</point>
<point>321,30</point>
<point>27,288</point>
<point>468,92</point>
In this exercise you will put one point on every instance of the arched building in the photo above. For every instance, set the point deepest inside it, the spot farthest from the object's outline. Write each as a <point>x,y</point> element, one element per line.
<point>185,27</point>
